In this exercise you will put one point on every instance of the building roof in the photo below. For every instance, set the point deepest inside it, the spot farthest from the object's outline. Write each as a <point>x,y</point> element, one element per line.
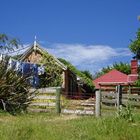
<point>37,47</point>
<point>114,76</point>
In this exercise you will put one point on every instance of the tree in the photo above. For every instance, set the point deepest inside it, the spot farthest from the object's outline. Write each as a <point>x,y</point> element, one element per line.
<point>135,48</point>
<point>122,67</point>
<point>135,45</point>
<point>14,89</point>
<point>7,43</point>
<point>88,74</point>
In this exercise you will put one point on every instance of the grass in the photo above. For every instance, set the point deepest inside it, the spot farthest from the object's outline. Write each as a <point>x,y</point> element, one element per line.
<point>51,127</point>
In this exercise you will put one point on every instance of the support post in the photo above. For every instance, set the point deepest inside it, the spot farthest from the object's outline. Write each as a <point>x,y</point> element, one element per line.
<point>119,96</point>
<point>58,104</point>
<point>129,90</point>
<point>98,104</point>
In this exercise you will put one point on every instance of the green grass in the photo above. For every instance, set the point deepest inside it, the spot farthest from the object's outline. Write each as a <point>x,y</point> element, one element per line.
<point>51,127</point>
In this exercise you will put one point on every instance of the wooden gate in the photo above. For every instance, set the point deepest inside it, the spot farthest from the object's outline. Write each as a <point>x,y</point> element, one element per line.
<point>45,100</point>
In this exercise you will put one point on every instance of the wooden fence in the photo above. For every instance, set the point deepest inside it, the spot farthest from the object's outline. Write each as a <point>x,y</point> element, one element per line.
<point>46,100</point>
<point>78,106</point>
<point>123,96</point>
<point>53,100</point>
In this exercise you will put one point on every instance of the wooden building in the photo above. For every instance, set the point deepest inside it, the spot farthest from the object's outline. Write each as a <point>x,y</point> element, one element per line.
<point>36,54</point>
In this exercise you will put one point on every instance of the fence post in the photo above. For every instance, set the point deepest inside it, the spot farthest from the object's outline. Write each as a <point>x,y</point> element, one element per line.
<point>58,106</point>
<point>98,103</point>
<point>119,96</point>
<point>129,90</point>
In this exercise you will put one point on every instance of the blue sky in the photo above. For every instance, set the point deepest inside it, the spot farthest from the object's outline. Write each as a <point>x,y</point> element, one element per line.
<point>89,33</point>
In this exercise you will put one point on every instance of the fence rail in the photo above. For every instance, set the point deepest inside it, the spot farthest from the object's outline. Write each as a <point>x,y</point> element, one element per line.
<point>111,98</point>
<point>53,99</point>
<point>116,96</point>
<point>46,100</point>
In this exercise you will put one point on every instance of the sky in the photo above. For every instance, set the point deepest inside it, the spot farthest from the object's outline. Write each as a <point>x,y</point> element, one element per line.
<point>91,34</point>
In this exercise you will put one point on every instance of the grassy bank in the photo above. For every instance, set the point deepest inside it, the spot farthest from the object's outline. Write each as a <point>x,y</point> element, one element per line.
<point>51,127</point>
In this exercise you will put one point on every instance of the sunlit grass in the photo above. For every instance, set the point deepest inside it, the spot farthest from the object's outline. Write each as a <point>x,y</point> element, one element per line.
<point>52,127</point>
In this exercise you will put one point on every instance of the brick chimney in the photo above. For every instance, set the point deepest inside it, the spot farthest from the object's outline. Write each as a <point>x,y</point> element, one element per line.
<point>134,71</point>
<point>134,66</point>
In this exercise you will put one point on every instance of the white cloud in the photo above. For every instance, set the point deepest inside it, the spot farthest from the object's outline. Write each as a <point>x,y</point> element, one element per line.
<point>87,57</point>
<point>78,54</point>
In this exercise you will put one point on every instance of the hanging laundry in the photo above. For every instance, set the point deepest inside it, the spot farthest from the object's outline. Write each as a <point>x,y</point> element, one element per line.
<point>29,70</point>
<point>41,70</point>
<point>35,69</point>
<point>18,66</point>
<point>35,81</point>
<point>11,64</point>
<point>1,57</point>
<point>26,71</point>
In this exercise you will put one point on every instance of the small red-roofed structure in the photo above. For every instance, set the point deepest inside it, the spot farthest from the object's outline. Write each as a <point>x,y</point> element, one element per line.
<point>112,77</point>
<point>115,77</point>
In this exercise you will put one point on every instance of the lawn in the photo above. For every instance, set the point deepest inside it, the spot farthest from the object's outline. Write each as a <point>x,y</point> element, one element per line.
<point>68,127</point>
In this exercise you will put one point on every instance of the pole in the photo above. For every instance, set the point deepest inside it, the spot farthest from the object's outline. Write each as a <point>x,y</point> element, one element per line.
<point>98,104</point>
<point>119,96</point>
<point>58,106</point>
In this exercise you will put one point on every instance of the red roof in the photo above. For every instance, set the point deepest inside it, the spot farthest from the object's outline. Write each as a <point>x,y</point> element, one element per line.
<point>114,76</point>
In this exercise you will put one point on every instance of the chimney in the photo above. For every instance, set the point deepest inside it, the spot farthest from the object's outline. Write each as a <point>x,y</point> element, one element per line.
<point>134,71</point>
<point>134,66</point>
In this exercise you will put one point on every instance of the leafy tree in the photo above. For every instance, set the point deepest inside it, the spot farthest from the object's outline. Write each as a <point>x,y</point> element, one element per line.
<point>122,67</point>
<point>135,48</point>
<point>87,73</point>
<point>135,45</point>
<point>14,89</point>
<point>53,75</point>
<point>7,43</point>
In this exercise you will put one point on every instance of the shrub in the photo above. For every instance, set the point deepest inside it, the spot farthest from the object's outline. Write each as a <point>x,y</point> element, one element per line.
<point>14,90</point>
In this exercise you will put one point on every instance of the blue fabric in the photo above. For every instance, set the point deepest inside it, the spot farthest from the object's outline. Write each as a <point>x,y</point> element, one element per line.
<point>26,69</point>
<point>13,64</point>
<point>35,81</point>
<point>35,69</point>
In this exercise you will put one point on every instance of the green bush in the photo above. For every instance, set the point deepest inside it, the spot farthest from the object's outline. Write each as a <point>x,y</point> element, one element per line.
<point>14,90</point>
<point>125,113</point>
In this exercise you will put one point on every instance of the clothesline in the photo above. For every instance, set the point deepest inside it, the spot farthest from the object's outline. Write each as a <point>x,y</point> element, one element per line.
<point>28,69</point>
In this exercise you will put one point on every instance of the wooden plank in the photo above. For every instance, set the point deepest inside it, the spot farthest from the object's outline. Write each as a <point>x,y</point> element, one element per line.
<point>42,104</point>
<point>44,90</point>
<point>106,94</point>
<point>45,97</point>
<point>37,110</point>
<point>133,103</point>
<point>107,89</point>
<point>88,104</point>
<point>47,90</point>
<point>112,101</point>
<point>79,112</point>
<point>131,96</point>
